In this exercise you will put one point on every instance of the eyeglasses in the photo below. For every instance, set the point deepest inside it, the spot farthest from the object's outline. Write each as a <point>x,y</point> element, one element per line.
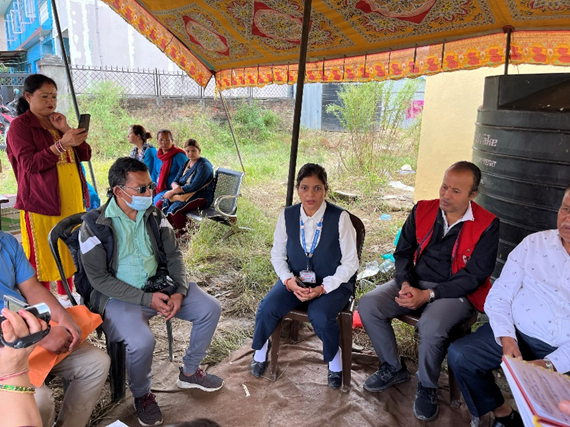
<point>143,189</point>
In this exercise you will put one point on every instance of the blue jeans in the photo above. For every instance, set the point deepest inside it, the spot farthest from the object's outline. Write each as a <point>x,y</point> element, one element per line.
<point>473,358</point>
<point>322,312</point>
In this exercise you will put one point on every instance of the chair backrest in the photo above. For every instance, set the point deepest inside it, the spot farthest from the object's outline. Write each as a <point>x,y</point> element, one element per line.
<point>228,183</point>
<point>63,230</point>
<point>360,233</point>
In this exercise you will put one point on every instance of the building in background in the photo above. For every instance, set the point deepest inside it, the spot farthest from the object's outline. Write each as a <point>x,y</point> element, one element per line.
<point>93,35</point>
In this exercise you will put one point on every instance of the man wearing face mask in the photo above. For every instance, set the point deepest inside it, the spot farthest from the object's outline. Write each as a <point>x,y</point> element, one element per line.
<point>122,244</point>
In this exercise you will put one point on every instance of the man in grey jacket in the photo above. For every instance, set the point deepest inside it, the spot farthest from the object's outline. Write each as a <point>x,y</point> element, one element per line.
<point>122,244</point>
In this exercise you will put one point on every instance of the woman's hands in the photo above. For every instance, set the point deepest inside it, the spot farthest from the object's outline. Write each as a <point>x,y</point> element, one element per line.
<point>303,294</point>
<point>71,137</point>
<point>59,122</point>
<point>17,326</point>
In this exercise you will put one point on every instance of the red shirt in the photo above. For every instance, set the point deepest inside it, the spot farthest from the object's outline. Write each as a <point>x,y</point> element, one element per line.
<point>35,165</point>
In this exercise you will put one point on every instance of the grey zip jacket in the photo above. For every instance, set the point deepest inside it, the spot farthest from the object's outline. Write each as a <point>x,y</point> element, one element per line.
<point>99,255</point>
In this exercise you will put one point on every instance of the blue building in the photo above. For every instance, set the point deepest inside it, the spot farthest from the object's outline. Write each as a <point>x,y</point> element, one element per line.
<point>29,26</point>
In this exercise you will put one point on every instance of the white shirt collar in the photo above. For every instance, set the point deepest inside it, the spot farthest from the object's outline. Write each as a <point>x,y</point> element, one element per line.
<point>317,215</point>
<point>467,216</point>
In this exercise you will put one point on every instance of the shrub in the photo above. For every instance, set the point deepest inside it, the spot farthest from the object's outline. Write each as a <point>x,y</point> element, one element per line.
<point>374,114</point>
<point>109,119</point>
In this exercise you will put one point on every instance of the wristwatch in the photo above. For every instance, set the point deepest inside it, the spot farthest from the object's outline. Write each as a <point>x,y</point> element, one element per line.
<point>549,365</point>
<point>431,295</point>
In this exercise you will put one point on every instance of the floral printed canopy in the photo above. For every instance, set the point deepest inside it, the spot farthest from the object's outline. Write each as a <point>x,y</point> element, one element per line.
<point>256,42</point>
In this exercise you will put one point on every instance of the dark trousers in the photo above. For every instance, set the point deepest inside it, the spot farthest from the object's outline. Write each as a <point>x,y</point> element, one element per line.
<point>322,312</point>
<point>473,358</point>
<point>377,309</point>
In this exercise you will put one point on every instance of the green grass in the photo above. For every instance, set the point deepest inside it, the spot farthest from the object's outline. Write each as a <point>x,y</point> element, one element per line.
<point>264,140</point>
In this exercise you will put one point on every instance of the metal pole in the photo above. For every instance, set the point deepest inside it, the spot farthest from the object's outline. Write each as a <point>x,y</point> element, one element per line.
<point>231,129</point>
<point>298,101</point>
<point>508,50</point>
<point>69,79</point>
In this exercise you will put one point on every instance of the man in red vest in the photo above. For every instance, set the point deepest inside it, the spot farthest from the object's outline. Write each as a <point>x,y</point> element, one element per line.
<point>444,258</point>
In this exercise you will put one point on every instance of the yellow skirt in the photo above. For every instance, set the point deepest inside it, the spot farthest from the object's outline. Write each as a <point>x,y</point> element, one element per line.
<point>36,236</point>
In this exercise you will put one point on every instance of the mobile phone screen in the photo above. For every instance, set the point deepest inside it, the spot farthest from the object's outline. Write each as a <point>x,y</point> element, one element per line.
<point>84,120</point>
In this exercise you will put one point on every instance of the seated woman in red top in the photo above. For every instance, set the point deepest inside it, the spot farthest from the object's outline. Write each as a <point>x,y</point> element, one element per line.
<point>173,160</point>
<point>45,154</point>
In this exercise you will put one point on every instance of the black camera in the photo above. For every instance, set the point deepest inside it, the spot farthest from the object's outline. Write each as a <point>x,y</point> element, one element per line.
<point>41,311</point>
<point>160,282</point>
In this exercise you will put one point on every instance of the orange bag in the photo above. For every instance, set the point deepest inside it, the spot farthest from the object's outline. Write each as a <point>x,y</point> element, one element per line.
<point>42,361</point>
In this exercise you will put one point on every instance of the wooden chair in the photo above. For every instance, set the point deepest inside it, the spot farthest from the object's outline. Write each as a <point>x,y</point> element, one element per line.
<point>344,319</point>
<point>457,332</point>
<point>66,230</point>
<point>227,184</point>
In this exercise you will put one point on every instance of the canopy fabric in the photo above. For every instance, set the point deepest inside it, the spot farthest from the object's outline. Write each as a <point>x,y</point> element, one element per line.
<point>256,42</point>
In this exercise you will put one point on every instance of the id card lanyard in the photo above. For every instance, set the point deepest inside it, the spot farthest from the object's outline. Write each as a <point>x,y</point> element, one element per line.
<point>309,254</point>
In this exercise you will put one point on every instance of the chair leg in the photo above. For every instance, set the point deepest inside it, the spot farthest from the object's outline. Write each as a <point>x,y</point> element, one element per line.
<point>346,349</point>
<point>294,331</point>
<point>275,339</point>
<point>170,341</point>
<point>117,377</point>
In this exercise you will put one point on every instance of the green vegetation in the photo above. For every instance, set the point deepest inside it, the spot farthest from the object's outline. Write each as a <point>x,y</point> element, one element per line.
<point>380,140</point>
<point>239,267</point>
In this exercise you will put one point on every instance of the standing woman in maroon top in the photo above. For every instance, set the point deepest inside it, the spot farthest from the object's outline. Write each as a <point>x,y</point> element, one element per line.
<point>45,154</point>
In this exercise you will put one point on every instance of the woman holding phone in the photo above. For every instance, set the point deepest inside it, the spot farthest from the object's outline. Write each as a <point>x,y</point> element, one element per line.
<point>45,154</point>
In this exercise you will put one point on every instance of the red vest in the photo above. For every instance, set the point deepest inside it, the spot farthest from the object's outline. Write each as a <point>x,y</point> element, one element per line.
<point>469,235</point>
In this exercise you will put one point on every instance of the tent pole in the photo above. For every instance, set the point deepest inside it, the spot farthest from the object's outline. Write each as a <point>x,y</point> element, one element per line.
<point>298,101</point>
<point>508,50</point>
<point>231,128</point>
<point>69,79</point>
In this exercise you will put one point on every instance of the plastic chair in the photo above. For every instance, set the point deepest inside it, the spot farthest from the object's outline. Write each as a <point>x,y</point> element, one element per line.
<point>344,320</point>
<point>456,332</point>
<point>64,231</point>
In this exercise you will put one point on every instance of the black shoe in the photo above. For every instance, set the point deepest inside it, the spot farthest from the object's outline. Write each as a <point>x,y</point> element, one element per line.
<point>425,406</point>
<point>512,420</point>
<point>386,376</point>
<point>148,411</point>
<point>334,379</point>
<point>258,368</point>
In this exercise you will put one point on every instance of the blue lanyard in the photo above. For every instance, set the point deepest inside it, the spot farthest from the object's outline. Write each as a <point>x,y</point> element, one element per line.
<point>309,254</point>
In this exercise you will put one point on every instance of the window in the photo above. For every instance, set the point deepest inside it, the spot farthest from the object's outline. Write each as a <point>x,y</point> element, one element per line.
<point>10,37</point>
<point>15,18</point>
<point>29,8</point>
<point>44,14</point>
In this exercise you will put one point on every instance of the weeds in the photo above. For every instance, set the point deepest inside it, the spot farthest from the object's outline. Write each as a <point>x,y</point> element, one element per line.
<point>378,139</point>
<point>110,120</point>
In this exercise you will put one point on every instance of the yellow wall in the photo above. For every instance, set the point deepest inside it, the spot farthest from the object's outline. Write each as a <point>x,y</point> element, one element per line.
<point>448,122</point>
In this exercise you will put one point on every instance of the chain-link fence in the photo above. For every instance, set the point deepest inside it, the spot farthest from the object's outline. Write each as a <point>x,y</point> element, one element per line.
<point>155,83</point>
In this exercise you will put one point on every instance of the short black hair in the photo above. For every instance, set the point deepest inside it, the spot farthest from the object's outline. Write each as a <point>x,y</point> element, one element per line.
<point>164,131</point>
<point>465,166</point>
<point>199,422</point>
<point>118,172</point>
<point>567,189</point>
<point>313,169</point>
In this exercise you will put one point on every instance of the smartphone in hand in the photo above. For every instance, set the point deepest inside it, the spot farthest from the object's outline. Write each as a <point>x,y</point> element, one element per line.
<point>84,120</point>
<point>301,283</point>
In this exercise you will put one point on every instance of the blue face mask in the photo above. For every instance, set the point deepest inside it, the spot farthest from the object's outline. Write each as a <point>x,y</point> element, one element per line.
<point>139,203</point>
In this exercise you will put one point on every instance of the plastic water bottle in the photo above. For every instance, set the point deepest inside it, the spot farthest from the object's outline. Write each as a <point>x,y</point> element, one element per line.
<point>386,266</point>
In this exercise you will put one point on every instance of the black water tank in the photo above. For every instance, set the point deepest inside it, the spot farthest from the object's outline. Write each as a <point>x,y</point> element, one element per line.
<point>522,145</point>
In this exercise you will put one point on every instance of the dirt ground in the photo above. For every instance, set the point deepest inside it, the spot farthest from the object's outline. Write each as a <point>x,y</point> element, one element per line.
<point>300,396</point>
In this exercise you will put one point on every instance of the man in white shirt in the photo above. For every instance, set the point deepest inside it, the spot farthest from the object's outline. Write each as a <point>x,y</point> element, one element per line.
<point>529,317</point>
